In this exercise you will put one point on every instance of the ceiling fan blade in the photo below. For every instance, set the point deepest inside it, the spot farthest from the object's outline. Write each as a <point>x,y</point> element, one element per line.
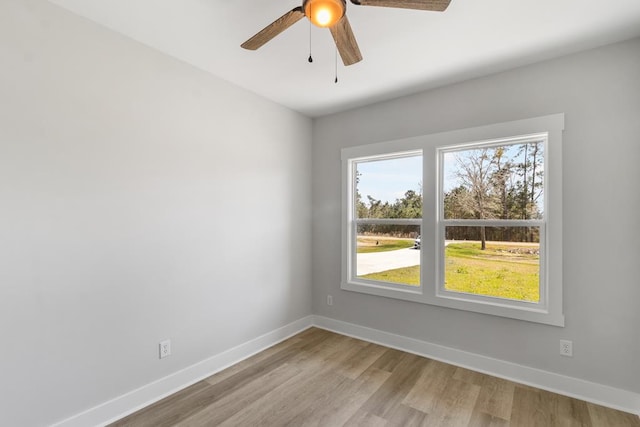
<point>346,42</point>
<point>433,5</point>
<point>275,28</point>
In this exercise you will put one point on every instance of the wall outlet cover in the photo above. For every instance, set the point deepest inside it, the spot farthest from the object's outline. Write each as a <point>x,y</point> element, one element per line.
<point>566,348</point>
<point>165,348</point>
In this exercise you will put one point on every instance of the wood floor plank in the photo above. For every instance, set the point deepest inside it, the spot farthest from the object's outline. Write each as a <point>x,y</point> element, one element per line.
<point>337,406</point>
<point>233,403</point>
<point>496,397</point>
<point>326,354</point>
<point>340,358</point>
<point>295,396</point>
<point>364,358</point>
<point>601,416</point>
<point>287,401</point>
<point>429,386</point>
<point>403,376</point>
<point>482,419</point>
<point>319,378</point>
<point>272,358</point>
<point>170,410</point>
<point>530,408</point>
<point>255,359</point>
<point>389,360</point>
<point>363,418</point>
<point>469,376</point>
<point>570,412</point>
<point>455,406</point>
<point>406,416</point>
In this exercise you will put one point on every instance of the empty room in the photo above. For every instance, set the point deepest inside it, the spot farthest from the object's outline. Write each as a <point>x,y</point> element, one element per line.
<point>319,212</point>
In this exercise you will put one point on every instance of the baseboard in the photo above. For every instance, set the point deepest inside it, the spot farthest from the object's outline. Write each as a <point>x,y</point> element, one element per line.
<point>611,397</point>
<point>132,401</point>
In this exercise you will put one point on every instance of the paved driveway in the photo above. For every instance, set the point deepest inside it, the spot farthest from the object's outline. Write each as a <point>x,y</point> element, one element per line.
<point>383,261</point>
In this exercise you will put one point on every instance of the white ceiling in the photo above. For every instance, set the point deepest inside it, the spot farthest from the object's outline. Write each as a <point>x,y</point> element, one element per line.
<point>404,50</point>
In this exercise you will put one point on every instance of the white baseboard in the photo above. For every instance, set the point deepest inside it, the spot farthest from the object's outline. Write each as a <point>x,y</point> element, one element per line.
<point>604,395</point>
<point>134,400</point>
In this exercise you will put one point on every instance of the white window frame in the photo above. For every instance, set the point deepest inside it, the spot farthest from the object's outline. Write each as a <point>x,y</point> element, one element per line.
<point>431,291</point>
<point>354,222</point>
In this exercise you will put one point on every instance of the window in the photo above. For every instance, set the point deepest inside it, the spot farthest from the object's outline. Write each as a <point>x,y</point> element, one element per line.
<point>492,219</point>
<point>469,219</point>
<point>387,222</point>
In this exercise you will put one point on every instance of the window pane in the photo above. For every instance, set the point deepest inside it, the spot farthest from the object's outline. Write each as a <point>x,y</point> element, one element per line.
<point>389,253</point>
<point>389,188</point>
<point>504,182</point>
<point>507,265</point>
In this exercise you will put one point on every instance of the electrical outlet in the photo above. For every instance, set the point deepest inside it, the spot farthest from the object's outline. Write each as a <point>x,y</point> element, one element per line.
<point>566,348</point>
<point>329,300</point>
<point>165,348</point>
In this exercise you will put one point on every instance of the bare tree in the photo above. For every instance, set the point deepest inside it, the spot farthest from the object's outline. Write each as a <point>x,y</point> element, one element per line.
<point>504,182</point>
<point>475,172</point>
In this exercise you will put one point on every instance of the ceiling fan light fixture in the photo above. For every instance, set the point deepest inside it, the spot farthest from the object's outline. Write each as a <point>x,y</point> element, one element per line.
<point>331,14</point>
<point>324,13</point>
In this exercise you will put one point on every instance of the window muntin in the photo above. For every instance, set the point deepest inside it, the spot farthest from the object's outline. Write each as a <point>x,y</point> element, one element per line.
<point>387,211</point>
<point>485,189</point>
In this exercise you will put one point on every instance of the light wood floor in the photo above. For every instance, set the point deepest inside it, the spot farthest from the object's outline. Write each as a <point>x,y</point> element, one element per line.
<point>318,378</point>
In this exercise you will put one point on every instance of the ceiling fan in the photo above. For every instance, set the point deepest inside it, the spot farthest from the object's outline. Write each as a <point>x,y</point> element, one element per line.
<point>331,14</point>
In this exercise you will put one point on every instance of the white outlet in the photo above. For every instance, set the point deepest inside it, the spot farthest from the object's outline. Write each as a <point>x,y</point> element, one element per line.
<point>566,348</point>
<point>165,348</point>
<point>329,300</point>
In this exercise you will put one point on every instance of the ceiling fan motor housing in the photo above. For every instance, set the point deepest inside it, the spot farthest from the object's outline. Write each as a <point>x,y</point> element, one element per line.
<point>324,13</point>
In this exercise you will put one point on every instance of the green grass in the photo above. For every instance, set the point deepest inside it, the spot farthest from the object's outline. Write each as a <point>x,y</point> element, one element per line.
<point>493,272</point>
<point>504,270</point>
<point>368,244</point>
<point>406,276</point>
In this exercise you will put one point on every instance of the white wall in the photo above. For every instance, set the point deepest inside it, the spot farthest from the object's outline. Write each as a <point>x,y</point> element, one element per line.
<point>599,91</point>
<point>140,199</point>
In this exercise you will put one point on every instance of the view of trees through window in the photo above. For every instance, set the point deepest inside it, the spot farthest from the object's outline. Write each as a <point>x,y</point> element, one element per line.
<point>388,210</point>
<point>499,186</point>
<point>492,210</point>
<point>503,182</point>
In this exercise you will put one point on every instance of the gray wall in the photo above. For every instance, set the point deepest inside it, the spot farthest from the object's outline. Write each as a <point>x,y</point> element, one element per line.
<point>599,91</point>
<point>134,189</point>
<point>140,199</point>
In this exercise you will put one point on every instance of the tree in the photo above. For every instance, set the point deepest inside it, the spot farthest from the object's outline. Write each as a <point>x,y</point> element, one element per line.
<point>501,182</point>
<point>456,204</point>
<point>361,209</point>
<point>529,186</point>
<point>410,206</point>
<point>475,172</point>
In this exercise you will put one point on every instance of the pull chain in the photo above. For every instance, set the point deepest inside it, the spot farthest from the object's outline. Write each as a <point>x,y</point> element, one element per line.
<point>336,80</point>
<point>310,58</point>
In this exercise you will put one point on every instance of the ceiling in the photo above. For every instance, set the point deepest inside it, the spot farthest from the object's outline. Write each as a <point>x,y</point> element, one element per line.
<point>404,50</point>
